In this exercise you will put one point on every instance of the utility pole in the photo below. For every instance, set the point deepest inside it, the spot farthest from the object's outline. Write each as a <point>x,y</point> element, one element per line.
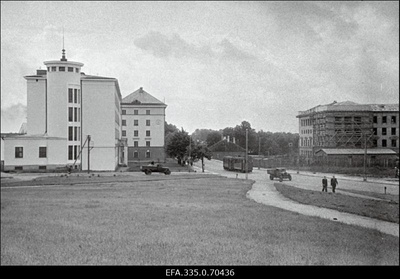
<point>365,157</point>
<point>88,160</point>
<point>246,164</point>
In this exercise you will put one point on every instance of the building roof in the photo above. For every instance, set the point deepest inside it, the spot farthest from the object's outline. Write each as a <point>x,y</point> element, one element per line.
<point>225,146</point>
<point>349,106</point>
<point>30,137</point>
<point>354,151</point>
<point>141,97</point>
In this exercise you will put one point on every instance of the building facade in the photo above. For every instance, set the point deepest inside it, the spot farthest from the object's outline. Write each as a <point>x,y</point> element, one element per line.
<point>348,125</point>
<point>143,118</point>
<point>73,118</point>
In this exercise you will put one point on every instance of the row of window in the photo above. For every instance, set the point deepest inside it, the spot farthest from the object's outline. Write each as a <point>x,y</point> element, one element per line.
<point>62,69</point>
<point>384,131</point>
<point>307,131</point>
<point>136,112</point>
<point>384,143</point>
<point>19,152</point>
<point>136,122</point>
<point>74,114</point>
<point>136,133</point>
<point>136,154</point>
<point>74,133</point>
<point>305,122</point>
<point>74,95</point>
<point>385,119</point>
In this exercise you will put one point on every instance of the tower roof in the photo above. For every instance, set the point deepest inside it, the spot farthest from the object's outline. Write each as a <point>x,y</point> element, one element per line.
<point>141,97</point>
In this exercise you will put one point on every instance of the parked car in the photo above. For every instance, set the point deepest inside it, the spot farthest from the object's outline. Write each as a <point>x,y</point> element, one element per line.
<point>280,173</point>
<point>155,168</point>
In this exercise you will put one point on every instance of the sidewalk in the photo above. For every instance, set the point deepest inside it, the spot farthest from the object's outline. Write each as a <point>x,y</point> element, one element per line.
<point>267,194</point>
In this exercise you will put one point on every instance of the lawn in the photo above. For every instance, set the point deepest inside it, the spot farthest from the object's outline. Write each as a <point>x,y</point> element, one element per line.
<point>172,220</point>
<point>386,209</point>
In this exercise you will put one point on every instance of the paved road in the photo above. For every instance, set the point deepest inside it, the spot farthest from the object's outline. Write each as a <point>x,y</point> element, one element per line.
<point>264,191</point>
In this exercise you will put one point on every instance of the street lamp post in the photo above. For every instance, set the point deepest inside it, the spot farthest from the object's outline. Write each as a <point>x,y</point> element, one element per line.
<point>247,164</point>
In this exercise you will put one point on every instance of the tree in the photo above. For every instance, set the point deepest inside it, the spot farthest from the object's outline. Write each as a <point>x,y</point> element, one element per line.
<point>169,129</point>
<point>199,152</point>
<point>213,137</point>
<point>177,144</point>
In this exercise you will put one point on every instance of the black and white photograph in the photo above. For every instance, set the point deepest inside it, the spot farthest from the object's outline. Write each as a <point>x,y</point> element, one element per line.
<point>200,138</point>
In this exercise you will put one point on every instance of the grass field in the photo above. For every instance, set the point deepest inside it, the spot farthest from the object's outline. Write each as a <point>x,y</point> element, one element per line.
<point>386,210</point>
<point>171,220</point>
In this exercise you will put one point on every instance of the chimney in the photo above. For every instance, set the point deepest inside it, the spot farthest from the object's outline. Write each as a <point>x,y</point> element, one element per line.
<point>141,89</point>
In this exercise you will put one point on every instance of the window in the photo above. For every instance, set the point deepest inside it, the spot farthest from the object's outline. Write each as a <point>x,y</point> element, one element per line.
<point>135,112</point>
<point>42,152</point>
<point>54,69</point>
<point>135,154</point>
<point>123,133</point>
<point>79,114</point>
<point>135,133</point>
<point>148,154</point>
<point>374,143</point>
<point>147,122</point>
<point>70,69</point>
<point>135,143</point>
<point>375,119</point>
<point>75,152</point>
<point>18,168</point>
<point>357,119</point>
<point>75,133</point>
<point>76,70</point>
<point>383,131</point>
<point>123,122</point>
<point>42,167</point>
<point>70,152</point>
<point>75,114</point>
<point>19,152</point>
<point>79,96</point>
<point>70,95</point>
<point>393,120</point>
<point>147,133</point>
<point>393,143</point>
<point>147,143</point>
<point>135,122</point>
<point>70,133</point>
<point>70,114</point>
<point>384,119</point>
<point>375,131</point>
<point>393,131</point>
<point>75,96</point>
<point>384,143</point>
<point>79,133</point>
<point>147,111</point>
<point>123,112</point>
<point>61,69</point>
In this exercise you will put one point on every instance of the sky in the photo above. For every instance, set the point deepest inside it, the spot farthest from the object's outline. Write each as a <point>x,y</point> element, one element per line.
<point>215,64</point>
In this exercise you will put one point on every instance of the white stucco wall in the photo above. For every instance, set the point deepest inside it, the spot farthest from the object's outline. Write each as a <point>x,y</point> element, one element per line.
<point>101,120</point>
<point>36,105</point>
<point>56,151</point>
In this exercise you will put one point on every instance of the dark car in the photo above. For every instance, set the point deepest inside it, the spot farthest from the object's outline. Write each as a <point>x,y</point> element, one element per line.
<point>279,173</point>
<point>155,168</point>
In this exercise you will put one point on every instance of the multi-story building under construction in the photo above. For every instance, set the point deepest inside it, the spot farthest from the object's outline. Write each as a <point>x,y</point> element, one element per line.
<point>348,125</point>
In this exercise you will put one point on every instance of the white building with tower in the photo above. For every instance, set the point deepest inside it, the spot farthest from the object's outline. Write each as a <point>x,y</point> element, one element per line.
<point>72,119</point>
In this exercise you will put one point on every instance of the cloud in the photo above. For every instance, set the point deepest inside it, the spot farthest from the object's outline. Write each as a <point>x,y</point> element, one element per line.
<point>12,117</point>
<point>162,46</point>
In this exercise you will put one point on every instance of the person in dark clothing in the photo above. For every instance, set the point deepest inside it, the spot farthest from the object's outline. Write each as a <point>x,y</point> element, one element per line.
<point>324,184</point>
<point>334,182</point>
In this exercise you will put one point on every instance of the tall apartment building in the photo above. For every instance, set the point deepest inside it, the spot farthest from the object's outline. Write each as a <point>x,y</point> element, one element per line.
<point>348,125</point>
<point>143,118</point>
<point>65,108</point>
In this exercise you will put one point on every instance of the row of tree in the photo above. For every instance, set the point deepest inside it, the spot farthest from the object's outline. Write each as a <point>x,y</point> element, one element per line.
<point>181,145</point>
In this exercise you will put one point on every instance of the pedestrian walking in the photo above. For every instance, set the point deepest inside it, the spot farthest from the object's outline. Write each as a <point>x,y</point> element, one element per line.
<point>324,184</point>
<point>334,182</point>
